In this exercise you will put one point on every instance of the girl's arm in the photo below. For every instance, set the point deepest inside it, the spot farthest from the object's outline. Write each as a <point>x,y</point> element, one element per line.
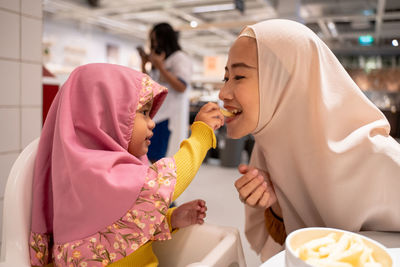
<point>193,150</point>
<point>191,154</point>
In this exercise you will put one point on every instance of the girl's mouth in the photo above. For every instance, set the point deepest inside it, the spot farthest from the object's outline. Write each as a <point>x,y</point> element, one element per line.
<point>147,140</point>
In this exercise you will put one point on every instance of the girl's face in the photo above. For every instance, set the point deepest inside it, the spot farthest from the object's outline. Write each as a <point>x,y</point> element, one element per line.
<point>142,131</point>
<point>240,91</point>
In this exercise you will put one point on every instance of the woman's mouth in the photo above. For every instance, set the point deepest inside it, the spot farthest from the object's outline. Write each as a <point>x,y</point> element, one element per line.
<point>231,114</point>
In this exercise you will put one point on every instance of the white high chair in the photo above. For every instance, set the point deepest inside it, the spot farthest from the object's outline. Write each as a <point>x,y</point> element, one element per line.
<point>198,245</point>
<point>17,210</point>
<point>204,245</point>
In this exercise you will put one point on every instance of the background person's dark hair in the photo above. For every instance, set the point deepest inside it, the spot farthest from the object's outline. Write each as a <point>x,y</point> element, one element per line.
<point>167,39</point>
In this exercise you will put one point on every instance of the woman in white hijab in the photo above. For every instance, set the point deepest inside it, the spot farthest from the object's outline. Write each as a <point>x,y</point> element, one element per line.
<point>325,146</point>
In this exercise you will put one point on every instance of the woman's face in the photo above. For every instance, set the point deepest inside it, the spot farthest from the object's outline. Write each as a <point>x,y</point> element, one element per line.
<point>240,91</point>
<point>153,41</point>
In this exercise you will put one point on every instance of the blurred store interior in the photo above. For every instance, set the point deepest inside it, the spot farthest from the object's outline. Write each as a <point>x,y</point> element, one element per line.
<point>364,35</point>
<point>43,41</point>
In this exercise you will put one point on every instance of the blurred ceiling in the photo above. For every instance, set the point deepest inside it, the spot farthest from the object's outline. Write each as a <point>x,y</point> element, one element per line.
<point>209,27</point>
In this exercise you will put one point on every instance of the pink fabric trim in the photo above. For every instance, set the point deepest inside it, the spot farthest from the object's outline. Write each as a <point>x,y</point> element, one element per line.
<point>145,221</point>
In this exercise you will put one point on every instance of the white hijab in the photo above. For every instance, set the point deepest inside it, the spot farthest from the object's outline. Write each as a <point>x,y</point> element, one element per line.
<point>325,145</point>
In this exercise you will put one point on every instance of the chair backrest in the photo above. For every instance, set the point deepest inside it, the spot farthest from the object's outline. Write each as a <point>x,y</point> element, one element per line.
<point>17,209</point>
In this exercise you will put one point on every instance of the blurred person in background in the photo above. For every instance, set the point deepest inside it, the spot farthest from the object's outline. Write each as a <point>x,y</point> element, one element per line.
<point>172,68</point>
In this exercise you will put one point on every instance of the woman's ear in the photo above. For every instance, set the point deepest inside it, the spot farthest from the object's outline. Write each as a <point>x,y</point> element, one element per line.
<point>247,31</point>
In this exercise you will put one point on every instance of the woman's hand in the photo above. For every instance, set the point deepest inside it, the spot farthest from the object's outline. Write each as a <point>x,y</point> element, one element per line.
<point>211,115</point>
<point>192,212</point>
<point>144,57</point>
<point>157,60</point>
<point>255,188</point>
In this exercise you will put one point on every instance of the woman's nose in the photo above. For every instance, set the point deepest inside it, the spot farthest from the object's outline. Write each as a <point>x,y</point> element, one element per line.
<point>224,93</point>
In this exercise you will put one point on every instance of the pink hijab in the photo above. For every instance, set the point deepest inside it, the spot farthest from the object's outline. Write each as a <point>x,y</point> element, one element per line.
<point>84,178</point>
<point>325,145</point>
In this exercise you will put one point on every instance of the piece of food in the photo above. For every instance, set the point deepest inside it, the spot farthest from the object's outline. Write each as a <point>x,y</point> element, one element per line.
<point>334,251</point>
<point>227,113</point>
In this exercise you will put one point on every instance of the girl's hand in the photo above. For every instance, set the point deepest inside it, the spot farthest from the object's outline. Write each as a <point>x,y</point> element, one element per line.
<point>255,188</point>
<point>211,115</point>
<point>192,212</point>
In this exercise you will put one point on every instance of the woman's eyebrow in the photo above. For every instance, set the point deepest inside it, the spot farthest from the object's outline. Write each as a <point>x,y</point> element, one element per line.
<point>240,65</point>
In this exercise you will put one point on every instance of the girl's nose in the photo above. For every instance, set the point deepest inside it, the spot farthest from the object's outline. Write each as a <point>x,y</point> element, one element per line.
<point>151,124</point>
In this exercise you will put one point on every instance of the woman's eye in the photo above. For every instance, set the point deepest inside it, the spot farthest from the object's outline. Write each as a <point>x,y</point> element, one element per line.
<point>225,79</point>
<point>238,77</point>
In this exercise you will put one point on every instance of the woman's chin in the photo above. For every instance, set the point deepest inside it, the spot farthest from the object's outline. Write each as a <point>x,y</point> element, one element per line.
<point>234,134</point>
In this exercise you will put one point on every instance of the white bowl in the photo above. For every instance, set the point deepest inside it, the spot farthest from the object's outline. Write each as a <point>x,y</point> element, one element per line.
<point>302,236</point>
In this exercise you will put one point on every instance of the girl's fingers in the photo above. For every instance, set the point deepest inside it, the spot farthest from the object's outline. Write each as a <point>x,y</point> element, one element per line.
<point>209,106</point>
<point>202,202</point>
<point>216,114</point>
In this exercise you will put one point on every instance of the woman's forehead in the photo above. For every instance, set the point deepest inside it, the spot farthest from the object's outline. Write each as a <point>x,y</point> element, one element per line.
<point>244,49</point>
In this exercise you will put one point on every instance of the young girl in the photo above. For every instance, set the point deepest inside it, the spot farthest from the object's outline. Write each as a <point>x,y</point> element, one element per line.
<point>96,200</point>
<point>325,146</point>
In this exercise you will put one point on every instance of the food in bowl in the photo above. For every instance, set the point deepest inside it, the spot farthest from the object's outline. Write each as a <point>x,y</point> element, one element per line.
<point>327,247</point>
<point>347,250</point>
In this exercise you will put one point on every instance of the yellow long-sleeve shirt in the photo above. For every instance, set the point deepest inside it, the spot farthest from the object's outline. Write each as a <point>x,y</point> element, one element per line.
<point>188,160</point>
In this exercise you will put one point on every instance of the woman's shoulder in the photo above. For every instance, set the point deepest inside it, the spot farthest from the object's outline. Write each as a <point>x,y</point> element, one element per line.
<point>179,55</point>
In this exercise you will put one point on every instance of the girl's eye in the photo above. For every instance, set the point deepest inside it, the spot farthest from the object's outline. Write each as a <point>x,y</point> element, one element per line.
<point>145,112</point>
<point>225,79</point>
<point>238,77</point>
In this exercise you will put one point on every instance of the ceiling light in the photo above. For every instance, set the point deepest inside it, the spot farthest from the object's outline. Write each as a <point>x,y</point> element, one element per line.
<point>395,42</point>
<point>193,24</point>
<point>213,8</point>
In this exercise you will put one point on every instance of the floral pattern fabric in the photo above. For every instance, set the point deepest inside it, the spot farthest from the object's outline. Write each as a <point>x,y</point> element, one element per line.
<point>144,222</point>
<point>148,91</point>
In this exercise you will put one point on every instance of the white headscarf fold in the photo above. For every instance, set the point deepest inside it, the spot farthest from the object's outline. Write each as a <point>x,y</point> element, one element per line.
<point>326,146</point>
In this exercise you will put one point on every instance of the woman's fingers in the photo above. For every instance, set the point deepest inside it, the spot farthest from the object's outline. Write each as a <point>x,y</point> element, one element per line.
<point>250,187</point>
<point>246,178</point>
<point>256,195</point>
<point>264,202</point>
<point>243,168</point>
